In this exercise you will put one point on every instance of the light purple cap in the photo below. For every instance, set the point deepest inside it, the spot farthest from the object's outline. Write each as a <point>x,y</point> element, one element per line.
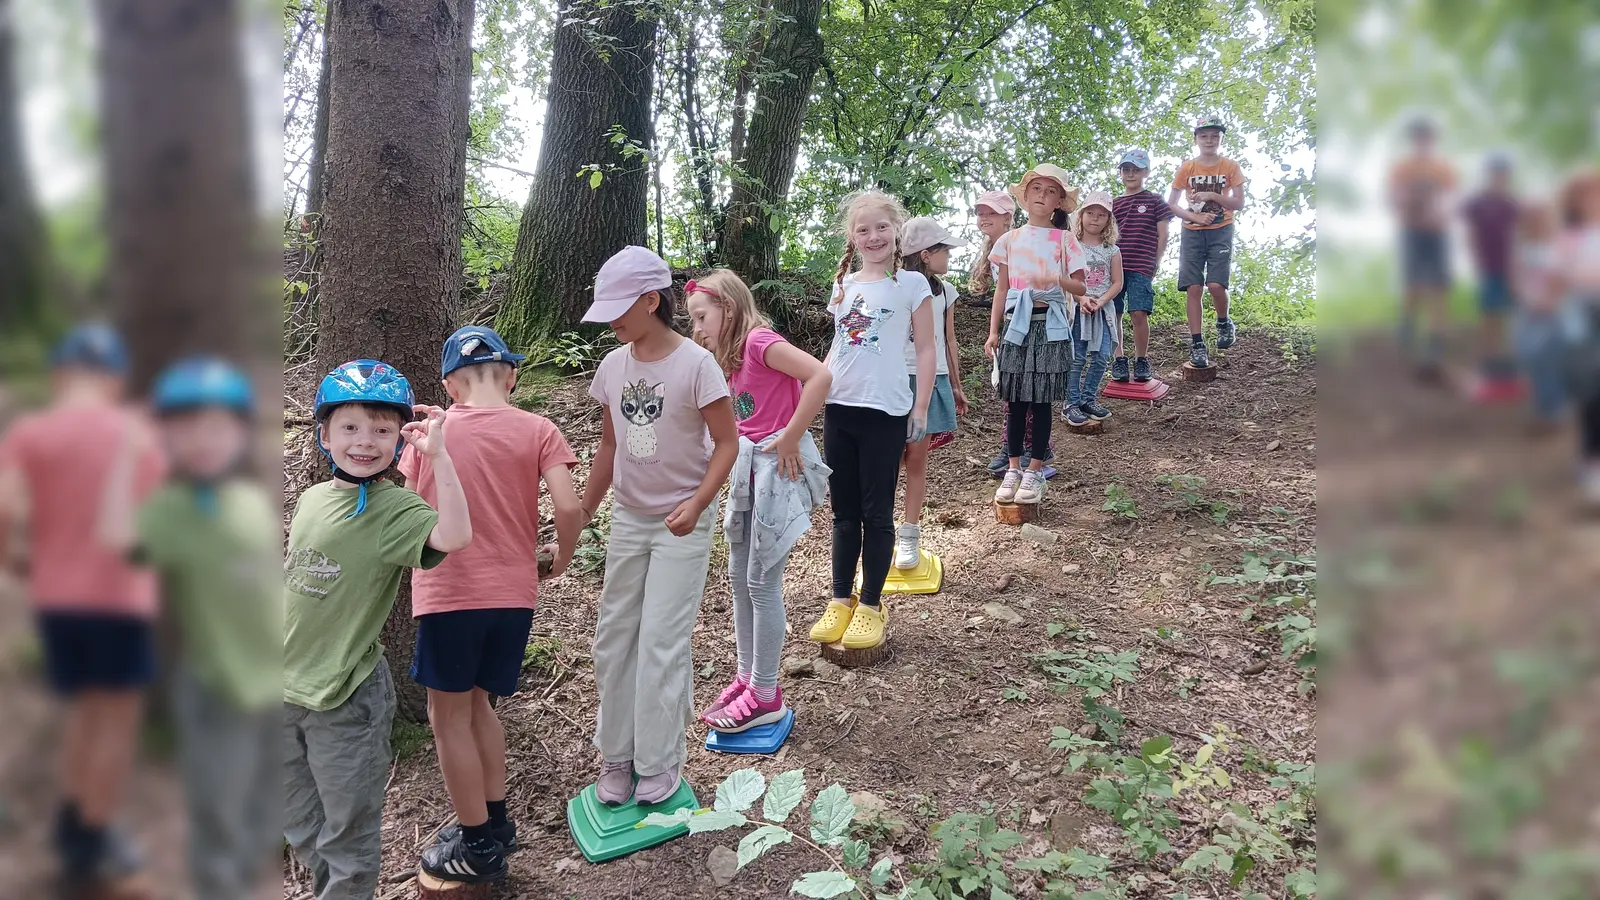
<point>628,275</point>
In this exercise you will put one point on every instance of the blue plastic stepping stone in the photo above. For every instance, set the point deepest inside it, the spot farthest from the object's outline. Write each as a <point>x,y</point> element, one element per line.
<point>760,739</point>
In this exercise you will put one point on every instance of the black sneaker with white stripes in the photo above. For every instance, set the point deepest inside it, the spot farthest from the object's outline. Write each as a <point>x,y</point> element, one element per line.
<point>455,860</point>
<point>504,835</point>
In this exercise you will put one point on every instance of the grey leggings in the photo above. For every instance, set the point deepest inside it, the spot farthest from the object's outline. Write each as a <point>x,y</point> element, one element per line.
<point>758,617</point>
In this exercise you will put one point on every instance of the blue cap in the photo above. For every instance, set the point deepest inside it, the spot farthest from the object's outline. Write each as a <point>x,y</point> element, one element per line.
<point>1137,157</point>
<point>474,344</point>
<point>201,381</point>
<point>91,346</point>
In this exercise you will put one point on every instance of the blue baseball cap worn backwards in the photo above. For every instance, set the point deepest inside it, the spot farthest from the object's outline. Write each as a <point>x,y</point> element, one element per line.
<point>472,345</point>
<point>93,345</point>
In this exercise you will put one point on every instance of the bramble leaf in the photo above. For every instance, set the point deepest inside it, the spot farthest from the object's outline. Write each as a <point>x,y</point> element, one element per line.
<point>758,842</point>
<point>824,885</point>
<point>831,814</point>
<point>739,791</point>
<point>784,794</point>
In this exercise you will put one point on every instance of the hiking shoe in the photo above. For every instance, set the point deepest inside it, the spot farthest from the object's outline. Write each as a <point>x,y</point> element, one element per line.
<point>1226,333</point>
<point>1032,488</point>
<point>835,619</point>
<point>455,860</point>
<point>723,699</point>
<point>746,712</point>
<point>1119,369</point>
<point>1094,410</point>
<point>97,855</point>
<point>1141,369</point>
<point>1198,357</point>
<point>866,628</point>
<point>615,784</point>
<point>999,465</point>
<point>1007,492</point>
<point>1075,416</point>
<point>656,788</point>
<point>504,835</point>
<point>908,547</point>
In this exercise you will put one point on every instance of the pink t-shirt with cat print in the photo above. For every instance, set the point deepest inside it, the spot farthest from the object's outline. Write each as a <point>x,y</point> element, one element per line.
<point>663,447</point>
<point>764,399</point>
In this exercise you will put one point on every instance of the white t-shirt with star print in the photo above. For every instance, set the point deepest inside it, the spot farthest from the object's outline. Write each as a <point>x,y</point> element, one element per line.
<point>871,327</point>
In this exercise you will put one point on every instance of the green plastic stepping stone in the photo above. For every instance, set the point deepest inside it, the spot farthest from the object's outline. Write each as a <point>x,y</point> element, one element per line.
<point>607,832</point>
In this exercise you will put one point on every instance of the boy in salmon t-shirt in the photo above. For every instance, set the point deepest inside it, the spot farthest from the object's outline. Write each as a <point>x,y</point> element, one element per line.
<point>95,611</point>
<point>475,610</point>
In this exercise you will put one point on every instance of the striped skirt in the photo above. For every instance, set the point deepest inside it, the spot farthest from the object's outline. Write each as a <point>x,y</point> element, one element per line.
<point>1034,371</point>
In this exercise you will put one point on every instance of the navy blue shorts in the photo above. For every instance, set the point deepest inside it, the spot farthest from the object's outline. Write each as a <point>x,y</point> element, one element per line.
<point>471,648</point>
<point>90,651</point>
<point>1494,294</point>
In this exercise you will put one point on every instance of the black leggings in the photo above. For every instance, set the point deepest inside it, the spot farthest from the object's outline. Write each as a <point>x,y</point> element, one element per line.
<point>1017,428</point>
<point>863,448</point>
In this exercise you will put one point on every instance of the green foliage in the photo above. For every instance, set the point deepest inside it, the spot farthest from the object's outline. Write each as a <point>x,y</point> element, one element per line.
<point>541,653</point>
<point>407,739</point>
<point>970,859</point>
<point>1286,584</point>
<point>1095,673</point>
<point>1120,502</point>
<point>1190,500</point>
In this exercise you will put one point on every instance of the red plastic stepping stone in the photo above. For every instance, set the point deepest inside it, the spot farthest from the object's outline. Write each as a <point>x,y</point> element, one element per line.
<point>1497,390</point>
<point>1151,390</point>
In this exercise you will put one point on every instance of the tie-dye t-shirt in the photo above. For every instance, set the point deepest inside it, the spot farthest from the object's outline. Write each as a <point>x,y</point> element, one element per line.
<point>1037,257</point>
<point>872,324</point>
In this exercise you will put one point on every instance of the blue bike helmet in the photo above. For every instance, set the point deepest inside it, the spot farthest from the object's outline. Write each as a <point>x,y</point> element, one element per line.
<point>92,345</point>
<point>362,381</point>
<point>202,381</point>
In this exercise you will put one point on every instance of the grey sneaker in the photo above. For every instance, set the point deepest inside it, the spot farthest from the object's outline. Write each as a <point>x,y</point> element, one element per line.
<point>1007,492</point>
<point>1198,357</point>
<point>1094,410</point>
<point>908,547</point>
<point>1119,369</point>
<point>1032,488</point>
<point>1226,333</point>
<point>615,785</point>
<point>1141,369</point>
<point>1075,416</point>
<point>656,788</point>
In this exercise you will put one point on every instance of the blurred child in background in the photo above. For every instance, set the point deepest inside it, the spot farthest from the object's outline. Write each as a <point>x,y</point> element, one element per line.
<point>1578,261</point>
<point>95,610</point>
<point>1491,227</point>
<point>1537,326</point>
<point>1420,187</point>
<point>213,538</point>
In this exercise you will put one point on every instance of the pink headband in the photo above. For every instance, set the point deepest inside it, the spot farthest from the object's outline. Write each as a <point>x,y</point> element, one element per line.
<point>692,288</point>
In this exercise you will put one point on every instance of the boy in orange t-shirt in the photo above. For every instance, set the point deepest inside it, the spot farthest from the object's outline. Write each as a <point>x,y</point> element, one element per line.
<point>1421,188</point>
<point>475,610</point>
<point>1215,188</point>
<point>95,610</point>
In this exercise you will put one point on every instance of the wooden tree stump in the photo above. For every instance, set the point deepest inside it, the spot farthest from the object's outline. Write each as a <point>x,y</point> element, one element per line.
<point>855,659</point>
<point>1015,513</point>
<point>135,887</point>
<point>1093,426</point>
<point>429,887</point>
<point>1198,375</point>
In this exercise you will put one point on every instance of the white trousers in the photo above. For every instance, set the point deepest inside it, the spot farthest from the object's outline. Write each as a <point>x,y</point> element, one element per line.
<point>643,657</point>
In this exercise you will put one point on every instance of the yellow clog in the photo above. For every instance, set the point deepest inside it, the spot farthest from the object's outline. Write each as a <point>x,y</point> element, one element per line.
<point>834,622</point>
<point>866,627</point>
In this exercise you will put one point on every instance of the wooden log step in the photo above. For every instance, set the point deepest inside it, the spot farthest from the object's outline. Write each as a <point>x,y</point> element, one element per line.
<point>856,659</point>
<point>1015,513</point>
<point>1198,375</point>
<point>430,888</point>
<point>1093,426</point>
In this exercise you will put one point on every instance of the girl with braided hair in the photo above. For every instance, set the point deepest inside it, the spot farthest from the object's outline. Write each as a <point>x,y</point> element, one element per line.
<point>871,413</point>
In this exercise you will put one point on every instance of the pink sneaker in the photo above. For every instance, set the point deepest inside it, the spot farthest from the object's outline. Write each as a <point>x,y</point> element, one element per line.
<point>656,788</point>
<point>615,785</point>
<point>746,712</point>
<point>723,699</point>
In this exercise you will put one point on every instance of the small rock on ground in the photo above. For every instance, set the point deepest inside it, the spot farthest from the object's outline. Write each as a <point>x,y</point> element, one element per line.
<point>1002,613</point>
<point>723,863</point>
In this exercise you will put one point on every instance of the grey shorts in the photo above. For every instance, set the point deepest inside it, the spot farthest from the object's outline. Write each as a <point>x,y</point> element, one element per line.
<point>1204,256</point>
<point>1425,258</point>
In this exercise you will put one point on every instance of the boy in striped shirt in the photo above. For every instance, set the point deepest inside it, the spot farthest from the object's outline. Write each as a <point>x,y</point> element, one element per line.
<point>1142,218</point>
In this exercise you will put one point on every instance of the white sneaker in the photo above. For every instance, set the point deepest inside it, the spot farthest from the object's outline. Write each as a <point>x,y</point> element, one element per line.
<point>1591,486</point>
<point>1007,491</point>
<point>908,547</point>
<point>1032,489</point>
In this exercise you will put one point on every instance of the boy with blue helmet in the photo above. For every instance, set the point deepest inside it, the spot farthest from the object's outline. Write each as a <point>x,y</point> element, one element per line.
<point>212,538</point>
<point>350,541</point>
<point>95,611</point>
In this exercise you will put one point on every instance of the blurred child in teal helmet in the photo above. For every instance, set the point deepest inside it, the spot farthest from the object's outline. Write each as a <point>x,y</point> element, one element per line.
<point>212,537</point>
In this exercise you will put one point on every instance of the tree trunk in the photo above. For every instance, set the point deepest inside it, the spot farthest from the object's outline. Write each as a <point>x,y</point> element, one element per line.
<point>303,311</point>
<point>598,83</point>
<point>23,248</point>
<point>401,75</point>
<point>793,55</point>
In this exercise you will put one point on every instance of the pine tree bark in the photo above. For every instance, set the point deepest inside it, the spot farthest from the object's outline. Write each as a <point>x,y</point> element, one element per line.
<point>598,82</point>
<point>23,249</point>
<point>793,54</point>
<point>390,232</point>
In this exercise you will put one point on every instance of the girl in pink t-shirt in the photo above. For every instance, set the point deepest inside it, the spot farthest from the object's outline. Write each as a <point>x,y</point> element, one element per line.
<point>1578,264</point>
<point>777,389</point>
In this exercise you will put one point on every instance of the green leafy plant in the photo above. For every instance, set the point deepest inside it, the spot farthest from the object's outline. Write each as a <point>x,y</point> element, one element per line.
<point>1013,694</point>
<point>1119,501</point>
<point>1095,673</point>
<point>1191,500</point>
<point>1285,584</point>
